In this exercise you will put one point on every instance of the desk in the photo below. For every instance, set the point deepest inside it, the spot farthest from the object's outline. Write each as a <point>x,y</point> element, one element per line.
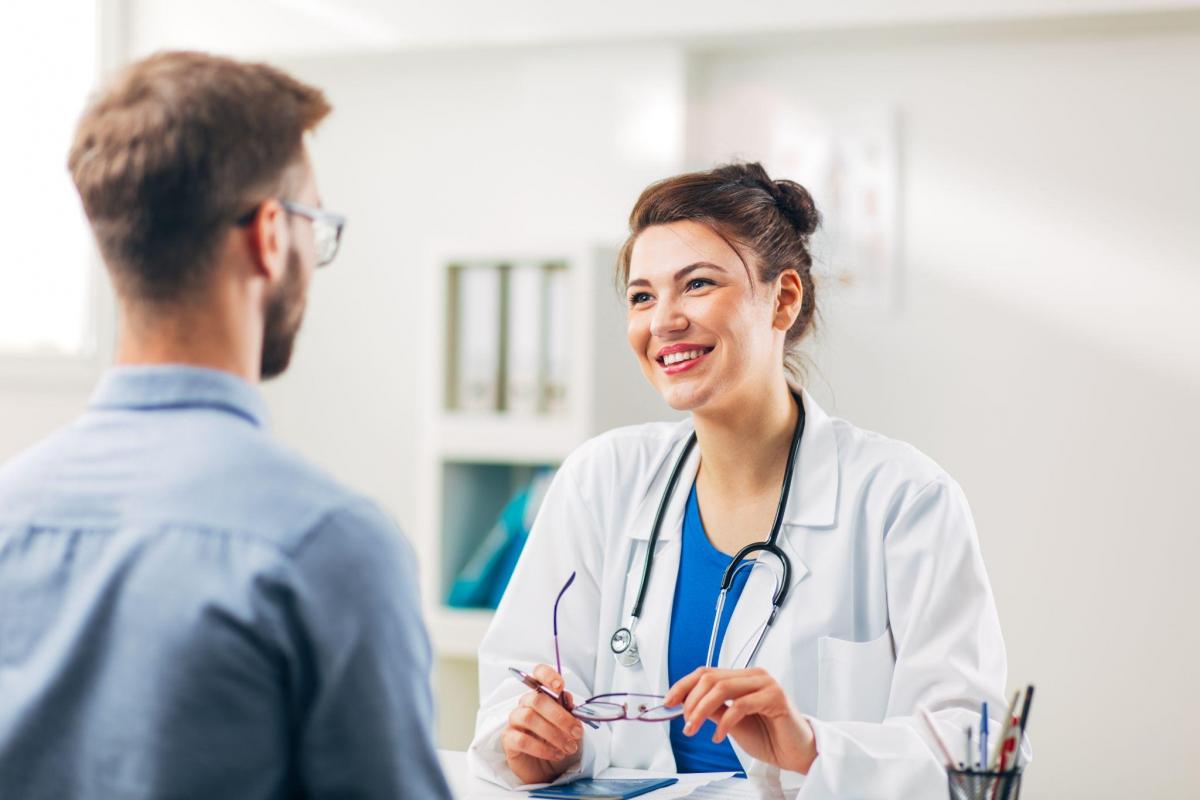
<point>696,786</point>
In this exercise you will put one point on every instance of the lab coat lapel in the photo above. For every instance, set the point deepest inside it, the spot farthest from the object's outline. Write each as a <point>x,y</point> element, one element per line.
<point>813,499</point>
<point>812,503</point>
<point>653,632</point>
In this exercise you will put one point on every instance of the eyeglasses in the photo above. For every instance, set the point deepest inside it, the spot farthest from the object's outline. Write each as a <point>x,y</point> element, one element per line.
<point>610,707</point>
<point>327,227</point>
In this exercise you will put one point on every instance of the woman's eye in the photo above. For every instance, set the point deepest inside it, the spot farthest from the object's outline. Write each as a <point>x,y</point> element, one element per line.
<point>699,283</point>
<point>638,297</point>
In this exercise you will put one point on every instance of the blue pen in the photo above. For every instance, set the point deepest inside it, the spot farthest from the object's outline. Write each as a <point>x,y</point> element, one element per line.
<point>983,748</point>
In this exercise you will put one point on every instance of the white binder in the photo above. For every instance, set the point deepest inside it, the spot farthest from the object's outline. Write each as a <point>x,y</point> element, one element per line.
<point>524,339</point>
<point>478,338</point>
<point>556,339</point>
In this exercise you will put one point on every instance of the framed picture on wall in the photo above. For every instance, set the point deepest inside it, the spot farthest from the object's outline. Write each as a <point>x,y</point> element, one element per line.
<point>848,160</point>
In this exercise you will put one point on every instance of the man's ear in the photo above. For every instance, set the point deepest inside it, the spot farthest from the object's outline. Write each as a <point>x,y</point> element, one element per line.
<point>268,240</point>
<point>788,299</point>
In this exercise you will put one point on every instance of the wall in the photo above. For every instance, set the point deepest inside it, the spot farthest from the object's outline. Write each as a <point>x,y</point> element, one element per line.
<point>290,27</point>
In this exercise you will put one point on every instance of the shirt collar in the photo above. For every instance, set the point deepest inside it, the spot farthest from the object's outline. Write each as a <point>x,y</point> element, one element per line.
<point>179,386</point>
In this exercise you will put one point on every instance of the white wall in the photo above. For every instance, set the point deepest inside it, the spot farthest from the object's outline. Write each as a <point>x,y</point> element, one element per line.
<point>1046,351</point>
<point>293,27</point>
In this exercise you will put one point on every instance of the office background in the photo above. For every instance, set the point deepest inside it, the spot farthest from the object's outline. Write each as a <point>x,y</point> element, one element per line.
<point>1038,336</point>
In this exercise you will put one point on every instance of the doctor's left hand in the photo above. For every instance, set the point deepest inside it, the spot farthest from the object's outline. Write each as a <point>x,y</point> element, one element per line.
<point>750,706</point>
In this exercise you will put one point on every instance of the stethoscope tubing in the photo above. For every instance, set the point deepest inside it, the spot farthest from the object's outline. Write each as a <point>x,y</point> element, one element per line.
<point>770,545</point>
<point>648,562</point>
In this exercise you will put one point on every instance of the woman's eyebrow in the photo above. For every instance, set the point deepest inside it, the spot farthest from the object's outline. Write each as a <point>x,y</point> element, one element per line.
<point>682,273</point>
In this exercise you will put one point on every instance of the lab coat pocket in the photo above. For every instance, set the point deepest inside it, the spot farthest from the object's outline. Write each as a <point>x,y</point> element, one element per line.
<point>854,678</point>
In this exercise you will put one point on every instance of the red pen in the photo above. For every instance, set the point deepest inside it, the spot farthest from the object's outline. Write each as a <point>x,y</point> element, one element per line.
<point>1012,733</point>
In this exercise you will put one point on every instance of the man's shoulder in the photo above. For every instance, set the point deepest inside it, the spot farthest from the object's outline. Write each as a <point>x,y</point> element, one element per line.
<point>211,474</point>
<point>25,476</point>
<point>274,492</point>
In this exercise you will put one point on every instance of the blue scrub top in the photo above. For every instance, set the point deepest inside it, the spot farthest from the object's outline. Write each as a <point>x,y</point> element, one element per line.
<point>701,567</point>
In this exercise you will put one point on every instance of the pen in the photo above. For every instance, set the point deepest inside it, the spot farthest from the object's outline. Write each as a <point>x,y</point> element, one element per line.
<point>1024,722</point>
<point>1009,742</point>
<point>1009,723</point>
<point>970,746</point>
<point>937,737</point>
<point>983,733</point>
<point>1025,710</point>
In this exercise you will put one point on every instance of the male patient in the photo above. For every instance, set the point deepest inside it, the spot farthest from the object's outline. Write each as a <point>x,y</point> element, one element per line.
<point>186,608</point>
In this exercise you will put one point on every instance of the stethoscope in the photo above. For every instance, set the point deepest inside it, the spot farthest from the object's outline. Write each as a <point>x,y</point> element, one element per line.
<point>624,642</point>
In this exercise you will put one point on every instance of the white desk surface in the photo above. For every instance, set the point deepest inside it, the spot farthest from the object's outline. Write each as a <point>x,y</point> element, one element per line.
<point>695,786</point>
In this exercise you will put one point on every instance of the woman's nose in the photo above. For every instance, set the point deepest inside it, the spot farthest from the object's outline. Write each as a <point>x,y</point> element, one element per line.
<point>668,318</point>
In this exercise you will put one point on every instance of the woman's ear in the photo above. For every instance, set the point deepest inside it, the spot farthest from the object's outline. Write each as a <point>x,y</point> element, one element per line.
<point>789,296</point>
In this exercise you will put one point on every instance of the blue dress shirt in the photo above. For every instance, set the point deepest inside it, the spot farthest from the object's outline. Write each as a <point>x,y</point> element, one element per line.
<point>189,610</point>
<point>701,568</point>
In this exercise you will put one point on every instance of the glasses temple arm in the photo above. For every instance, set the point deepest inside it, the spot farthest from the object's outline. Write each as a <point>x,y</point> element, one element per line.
<point>557,657</point>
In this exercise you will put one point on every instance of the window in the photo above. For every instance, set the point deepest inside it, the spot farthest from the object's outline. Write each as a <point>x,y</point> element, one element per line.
<point>49,64</point>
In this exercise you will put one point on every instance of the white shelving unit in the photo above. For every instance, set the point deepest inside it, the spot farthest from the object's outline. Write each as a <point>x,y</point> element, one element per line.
<point>473,462</point>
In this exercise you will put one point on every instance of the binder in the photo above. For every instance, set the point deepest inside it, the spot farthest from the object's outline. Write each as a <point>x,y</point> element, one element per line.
<point>477,336</point>
<point>556,338</point>
<point>524,337</point>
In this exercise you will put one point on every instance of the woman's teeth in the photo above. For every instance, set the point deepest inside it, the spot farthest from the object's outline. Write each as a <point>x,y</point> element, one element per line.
<point>675,358</point>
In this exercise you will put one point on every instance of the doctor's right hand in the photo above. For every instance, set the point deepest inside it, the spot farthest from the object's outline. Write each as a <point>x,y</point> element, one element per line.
<point>542,740</point>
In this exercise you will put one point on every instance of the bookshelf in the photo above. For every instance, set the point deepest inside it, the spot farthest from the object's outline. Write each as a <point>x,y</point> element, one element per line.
<point>472,461</point>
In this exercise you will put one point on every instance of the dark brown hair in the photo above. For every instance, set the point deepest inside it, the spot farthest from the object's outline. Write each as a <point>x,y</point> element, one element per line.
<point>772,220</point>
<point>173,150</point>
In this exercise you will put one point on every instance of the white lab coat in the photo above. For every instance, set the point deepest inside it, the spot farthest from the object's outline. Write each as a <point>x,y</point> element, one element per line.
<point>889,609</point>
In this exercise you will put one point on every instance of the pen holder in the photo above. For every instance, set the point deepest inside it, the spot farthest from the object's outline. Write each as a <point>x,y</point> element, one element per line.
<point>972,784</point>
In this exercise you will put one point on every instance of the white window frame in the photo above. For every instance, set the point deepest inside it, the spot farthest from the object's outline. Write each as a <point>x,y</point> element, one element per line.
<point>70,372</point>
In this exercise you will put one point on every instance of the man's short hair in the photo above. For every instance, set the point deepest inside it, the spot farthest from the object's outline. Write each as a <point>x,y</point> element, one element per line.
<point>173,150</point>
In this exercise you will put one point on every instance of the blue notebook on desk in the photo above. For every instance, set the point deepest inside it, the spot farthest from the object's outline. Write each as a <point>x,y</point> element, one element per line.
<point>602,788</point>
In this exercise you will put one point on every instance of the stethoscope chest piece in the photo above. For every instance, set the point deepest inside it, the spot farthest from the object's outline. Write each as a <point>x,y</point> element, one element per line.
<point>624,647</point>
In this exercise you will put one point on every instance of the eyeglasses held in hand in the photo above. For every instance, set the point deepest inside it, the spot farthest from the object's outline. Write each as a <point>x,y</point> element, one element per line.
<point>610,707</point>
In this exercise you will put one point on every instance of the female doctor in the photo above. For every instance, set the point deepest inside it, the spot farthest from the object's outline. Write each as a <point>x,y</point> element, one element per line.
<point>855,592</point>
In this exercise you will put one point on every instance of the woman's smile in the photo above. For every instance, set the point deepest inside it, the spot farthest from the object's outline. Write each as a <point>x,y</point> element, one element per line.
<point>678,358</point>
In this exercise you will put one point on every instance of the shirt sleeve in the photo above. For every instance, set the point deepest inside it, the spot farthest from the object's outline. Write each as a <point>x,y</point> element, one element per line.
<point>949,657</point>
<point>366,728</point>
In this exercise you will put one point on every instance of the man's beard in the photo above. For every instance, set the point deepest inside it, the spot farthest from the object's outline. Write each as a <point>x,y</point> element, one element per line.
<point>285,310</point>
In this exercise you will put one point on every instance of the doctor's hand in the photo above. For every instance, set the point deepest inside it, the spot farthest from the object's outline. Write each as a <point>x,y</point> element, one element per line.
<point>542,740</point>
<point>750,706</point>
